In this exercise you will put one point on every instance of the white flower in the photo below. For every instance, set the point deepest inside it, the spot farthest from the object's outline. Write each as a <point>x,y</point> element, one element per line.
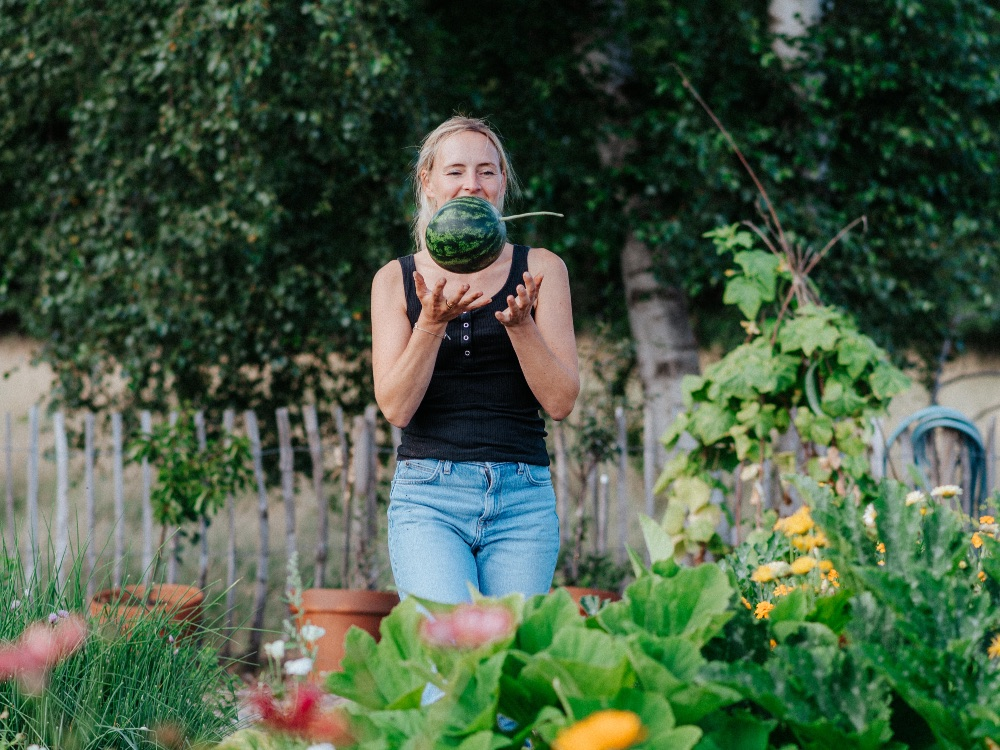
<point>15,604</point>
<point>299,667</point>
<point>322,746</point>
<point>946,491</point>
<point>311,633</point>
<point>869,517</point>
<point>275,650</point>
<point>37,747</point>
<point>915,497</point>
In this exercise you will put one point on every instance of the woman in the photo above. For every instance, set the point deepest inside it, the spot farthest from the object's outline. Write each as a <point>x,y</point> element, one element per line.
<point>462,363</point>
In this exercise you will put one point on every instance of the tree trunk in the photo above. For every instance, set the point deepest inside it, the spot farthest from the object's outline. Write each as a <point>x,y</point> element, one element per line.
<point>666,348</point>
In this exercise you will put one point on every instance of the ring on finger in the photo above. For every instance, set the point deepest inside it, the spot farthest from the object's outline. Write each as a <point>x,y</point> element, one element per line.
<point>449,304</point>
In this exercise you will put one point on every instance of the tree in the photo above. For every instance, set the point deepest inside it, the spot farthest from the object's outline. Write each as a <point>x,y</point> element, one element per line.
<point>194,194</point>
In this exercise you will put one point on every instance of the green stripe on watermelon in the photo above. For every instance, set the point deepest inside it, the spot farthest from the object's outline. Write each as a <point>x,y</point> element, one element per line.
<point>468,233</point>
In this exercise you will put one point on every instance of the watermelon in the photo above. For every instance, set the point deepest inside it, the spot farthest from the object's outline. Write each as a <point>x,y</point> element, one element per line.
<point>468,233</point>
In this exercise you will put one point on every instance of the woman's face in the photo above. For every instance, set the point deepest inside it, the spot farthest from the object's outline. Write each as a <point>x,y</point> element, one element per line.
<point>466,163</point>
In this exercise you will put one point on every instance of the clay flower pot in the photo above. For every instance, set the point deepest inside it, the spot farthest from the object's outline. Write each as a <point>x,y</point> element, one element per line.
<point>336,610</point>
<point>127,603</point>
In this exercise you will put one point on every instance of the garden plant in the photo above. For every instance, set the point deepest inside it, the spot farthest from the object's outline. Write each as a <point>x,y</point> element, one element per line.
<point>68,681</point>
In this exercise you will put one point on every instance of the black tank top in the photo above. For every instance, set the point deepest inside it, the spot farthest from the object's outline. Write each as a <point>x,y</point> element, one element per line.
<point>478,406</point>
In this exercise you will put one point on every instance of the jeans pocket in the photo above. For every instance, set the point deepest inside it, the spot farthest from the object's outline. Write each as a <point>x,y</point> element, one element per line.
<point>540,476</point>
<point>417,471</point>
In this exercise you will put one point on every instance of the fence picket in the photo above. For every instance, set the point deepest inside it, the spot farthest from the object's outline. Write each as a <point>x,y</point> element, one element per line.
<point>228,426</point>
<point>562,482</point>
<point>32,491</point>
<point>263,550</point>
<point>199,427</point>
<point>286,464</point>
<point>345,494</point>
<point>118,464</point>
<point>146,425</point>
<point>322,517</point>
<point>623,507</point>
<point>11,519</point>
<point>62,493</point>
<point>90,512</point>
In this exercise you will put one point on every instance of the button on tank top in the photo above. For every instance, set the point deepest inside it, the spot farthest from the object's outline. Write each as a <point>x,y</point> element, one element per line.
<point>478,406</point>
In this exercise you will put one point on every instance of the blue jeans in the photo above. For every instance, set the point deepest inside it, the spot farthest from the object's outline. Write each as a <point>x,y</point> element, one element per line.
<point>493,525</point>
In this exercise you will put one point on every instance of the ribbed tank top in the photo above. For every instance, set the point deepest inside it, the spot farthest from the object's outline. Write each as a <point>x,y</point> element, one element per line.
<point>478,406</point>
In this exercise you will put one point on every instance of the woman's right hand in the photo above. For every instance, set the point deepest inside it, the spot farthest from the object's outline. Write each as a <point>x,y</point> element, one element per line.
<point>440,306</point>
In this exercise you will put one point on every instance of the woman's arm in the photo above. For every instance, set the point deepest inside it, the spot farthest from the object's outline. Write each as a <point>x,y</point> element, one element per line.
<point>545,344</point>
<point>403,358</point>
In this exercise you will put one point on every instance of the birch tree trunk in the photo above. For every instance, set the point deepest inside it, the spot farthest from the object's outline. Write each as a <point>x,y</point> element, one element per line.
<point>666,348</point>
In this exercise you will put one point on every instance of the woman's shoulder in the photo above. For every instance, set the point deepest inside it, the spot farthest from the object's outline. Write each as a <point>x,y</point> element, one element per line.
<point>541,260</point>
<point>389,275</point>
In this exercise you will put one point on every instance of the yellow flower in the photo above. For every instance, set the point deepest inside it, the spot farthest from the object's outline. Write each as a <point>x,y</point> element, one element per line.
<point>923,510</point>
<point>962,564</point>
<point>773,643</point>
<point>977,541</point>
<point>880,548</point>
<point>803,565</point>
<point>763,610</point>
<point>746,603</point>
<point>798,523</point>
<point>809,542</point>
<point>763,574</point>
<point>987,519</point>
<point>825,565</point>
<point>981,575</point>
<point>782,590</point>
<point>946,491</point>
<point>610,729</point>
<point>994,650</point>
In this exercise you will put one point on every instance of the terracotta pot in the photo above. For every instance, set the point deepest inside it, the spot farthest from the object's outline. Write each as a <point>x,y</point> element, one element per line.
<point>578,592</point>
<point>125,604</point>
<point>336,610</point>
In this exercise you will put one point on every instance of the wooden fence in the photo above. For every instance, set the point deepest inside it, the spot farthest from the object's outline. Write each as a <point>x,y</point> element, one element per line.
<point>336,489</point>
<point>347,459</point>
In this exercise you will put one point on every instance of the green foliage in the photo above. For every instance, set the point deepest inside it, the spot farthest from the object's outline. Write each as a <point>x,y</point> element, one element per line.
<point>920,163</point>
<point>193,477</point>
<point>195,198</point>
<point>126,682</point>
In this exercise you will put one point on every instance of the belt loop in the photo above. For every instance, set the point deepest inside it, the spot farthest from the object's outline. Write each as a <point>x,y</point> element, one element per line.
<point>447,467</point>
<point>520,468</point>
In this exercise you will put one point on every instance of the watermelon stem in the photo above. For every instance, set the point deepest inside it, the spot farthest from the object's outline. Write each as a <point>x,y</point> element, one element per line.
<point>533,213</point>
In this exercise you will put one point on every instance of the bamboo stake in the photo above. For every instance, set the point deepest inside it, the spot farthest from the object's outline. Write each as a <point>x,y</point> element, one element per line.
<point>199,426</point>
<point>322,516</point>
<point>62,493</point>
<point>286,463</point>
<point>89,422</point>
<point>263,550</point>
<point>228,425</point>
<point>118,463</point>
<point>602,514</point>
<point>9,467</point>
<point>345,493</point>
<point>32,491</point>
<point>623,503</point>
<point>146,424</point>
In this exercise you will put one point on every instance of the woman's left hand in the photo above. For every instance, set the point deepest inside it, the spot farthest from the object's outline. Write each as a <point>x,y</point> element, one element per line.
<point>519,307</point>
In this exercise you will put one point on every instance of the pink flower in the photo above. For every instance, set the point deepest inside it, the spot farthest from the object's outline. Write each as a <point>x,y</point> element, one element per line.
<point>40,647</point>
<point>468,626</point>
<point>301,714</point>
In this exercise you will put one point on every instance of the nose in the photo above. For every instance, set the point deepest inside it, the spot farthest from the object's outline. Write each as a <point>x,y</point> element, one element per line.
<point>471,183</point>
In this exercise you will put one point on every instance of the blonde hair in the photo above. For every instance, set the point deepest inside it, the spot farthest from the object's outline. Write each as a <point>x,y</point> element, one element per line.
<point>425,161</point>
